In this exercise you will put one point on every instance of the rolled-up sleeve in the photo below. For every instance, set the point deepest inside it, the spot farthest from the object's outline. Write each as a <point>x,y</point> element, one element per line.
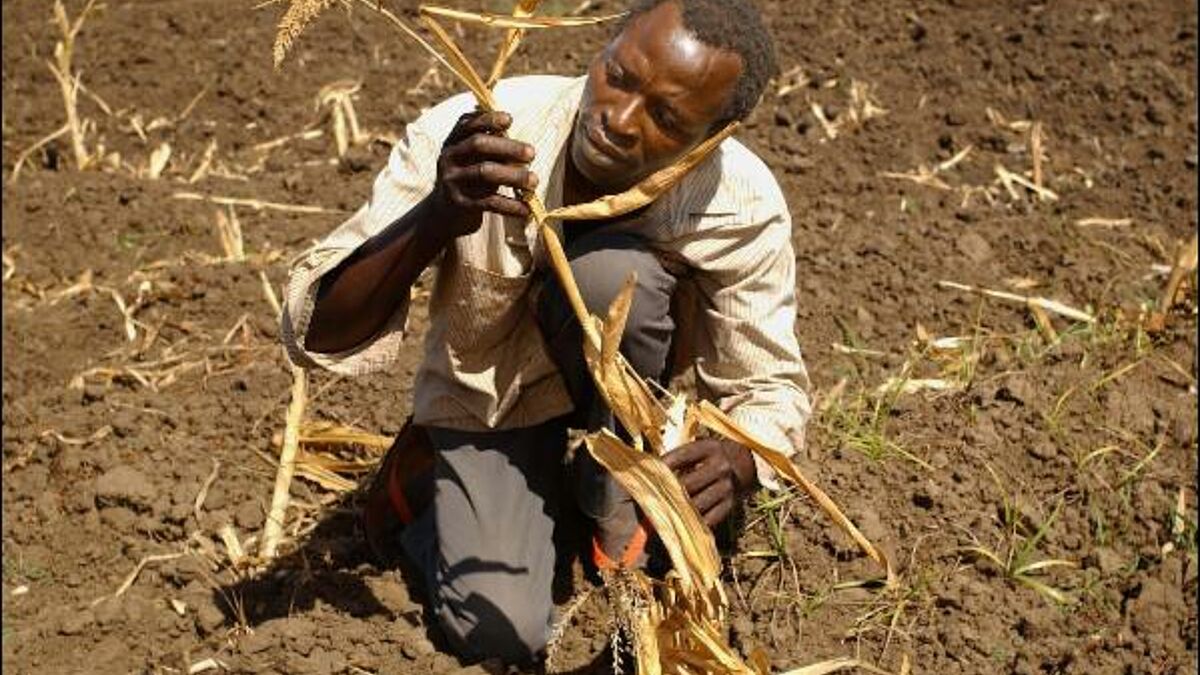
<point>748,359</point>
<point>405,181</point>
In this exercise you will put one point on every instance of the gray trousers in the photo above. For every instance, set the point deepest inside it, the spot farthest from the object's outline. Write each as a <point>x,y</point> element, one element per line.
<point>486,547</point>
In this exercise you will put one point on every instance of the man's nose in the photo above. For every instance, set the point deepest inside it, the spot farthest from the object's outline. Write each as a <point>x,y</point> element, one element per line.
<point>620,123</point>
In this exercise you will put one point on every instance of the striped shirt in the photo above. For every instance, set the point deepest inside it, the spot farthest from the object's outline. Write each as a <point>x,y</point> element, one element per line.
<point>724,230</point>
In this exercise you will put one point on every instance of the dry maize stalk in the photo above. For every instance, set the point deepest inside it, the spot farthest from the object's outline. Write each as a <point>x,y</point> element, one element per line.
<point>1044,303</point>
<point>1184,267</point>
<point>1185,264</point>
<point>68,80</point>
<point>273,528</point>
<point>512,38</point>
<point>513,21</point>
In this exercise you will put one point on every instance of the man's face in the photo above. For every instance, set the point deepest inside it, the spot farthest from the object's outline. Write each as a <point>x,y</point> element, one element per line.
<point>652,94</point>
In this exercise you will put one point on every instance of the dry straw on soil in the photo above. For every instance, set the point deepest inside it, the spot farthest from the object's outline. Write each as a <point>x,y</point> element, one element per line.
<point>69,83</point>
<point>674,625</point>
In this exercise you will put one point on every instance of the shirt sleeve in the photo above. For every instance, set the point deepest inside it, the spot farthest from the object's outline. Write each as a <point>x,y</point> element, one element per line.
<point>405,181</point>
<point>748,359</point>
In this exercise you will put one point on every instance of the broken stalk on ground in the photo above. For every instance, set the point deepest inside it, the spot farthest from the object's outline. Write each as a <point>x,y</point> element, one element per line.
<point>69,85</point>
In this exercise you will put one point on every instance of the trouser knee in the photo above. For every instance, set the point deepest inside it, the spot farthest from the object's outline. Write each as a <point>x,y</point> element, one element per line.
<point>499,622</point>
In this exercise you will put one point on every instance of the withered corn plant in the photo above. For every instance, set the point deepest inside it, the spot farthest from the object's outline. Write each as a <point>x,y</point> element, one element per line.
<point>675,625</point>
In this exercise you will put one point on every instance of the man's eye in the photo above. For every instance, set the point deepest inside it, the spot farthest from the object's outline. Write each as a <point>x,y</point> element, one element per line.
<point>665,119</point>
<point>616,76</point>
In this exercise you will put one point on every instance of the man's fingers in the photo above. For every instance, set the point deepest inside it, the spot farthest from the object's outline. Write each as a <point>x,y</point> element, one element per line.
<point>476,160</point>
<point>499,148</point>
<point>713,495</point>
<point>684,456</point>
<point>485,177</point>
<point>718,513</point>
<point>492,175</point>
<point>705,473</point>
<point>472,199</point>
<point>505,206</point>
<point>495,174</point>
<point>698,477</point>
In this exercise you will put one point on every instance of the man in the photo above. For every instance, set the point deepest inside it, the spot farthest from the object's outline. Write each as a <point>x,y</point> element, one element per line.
<point>503,375</point>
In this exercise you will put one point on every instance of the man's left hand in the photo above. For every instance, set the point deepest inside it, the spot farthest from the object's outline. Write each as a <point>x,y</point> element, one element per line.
<point>714,473</point>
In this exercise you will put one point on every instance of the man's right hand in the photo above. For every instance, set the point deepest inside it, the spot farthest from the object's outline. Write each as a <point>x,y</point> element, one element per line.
<point>357,297</point>
<point>476,161</point>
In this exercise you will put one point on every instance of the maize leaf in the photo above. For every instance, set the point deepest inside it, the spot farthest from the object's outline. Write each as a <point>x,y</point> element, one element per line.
<point>707,636</point>
<point>614,323</point>
<point>649,658</point>
<point>687,539</point>
<point>713,419</point>
<point>335,465</point>
<point>461,66</point>
<point>650,188</point>
<point>512,38</point>
<point>627,394</point>
<point>317,433</point>
<point>323,477</point>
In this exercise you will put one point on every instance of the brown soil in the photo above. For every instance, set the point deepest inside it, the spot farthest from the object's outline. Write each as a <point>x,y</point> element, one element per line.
<point>1054,437</point>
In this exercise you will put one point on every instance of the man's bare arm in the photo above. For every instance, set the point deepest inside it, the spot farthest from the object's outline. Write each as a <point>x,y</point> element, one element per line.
<point>357,297</point>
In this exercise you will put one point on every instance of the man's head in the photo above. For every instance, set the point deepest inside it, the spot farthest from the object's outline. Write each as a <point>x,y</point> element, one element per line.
<point>675,72</point>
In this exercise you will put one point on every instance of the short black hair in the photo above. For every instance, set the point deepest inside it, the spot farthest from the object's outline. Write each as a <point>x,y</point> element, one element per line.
<point>731,25</point>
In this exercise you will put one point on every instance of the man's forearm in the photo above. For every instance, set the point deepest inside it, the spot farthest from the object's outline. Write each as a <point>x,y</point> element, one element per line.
<point>358,297</point>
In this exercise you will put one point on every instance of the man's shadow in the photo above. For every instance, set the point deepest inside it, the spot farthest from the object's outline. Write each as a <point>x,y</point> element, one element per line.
<point>328,564</point>
<point>331,564</point>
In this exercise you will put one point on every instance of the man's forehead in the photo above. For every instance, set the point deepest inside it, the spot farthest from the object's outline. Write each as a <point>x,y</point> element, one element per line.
<point>659,25</point>
<point>660,38</point>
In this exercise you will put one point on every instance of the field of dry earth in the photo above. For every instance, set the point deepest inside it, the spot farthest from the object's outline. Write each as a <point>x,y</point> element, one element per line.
<point>1032,474</point>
